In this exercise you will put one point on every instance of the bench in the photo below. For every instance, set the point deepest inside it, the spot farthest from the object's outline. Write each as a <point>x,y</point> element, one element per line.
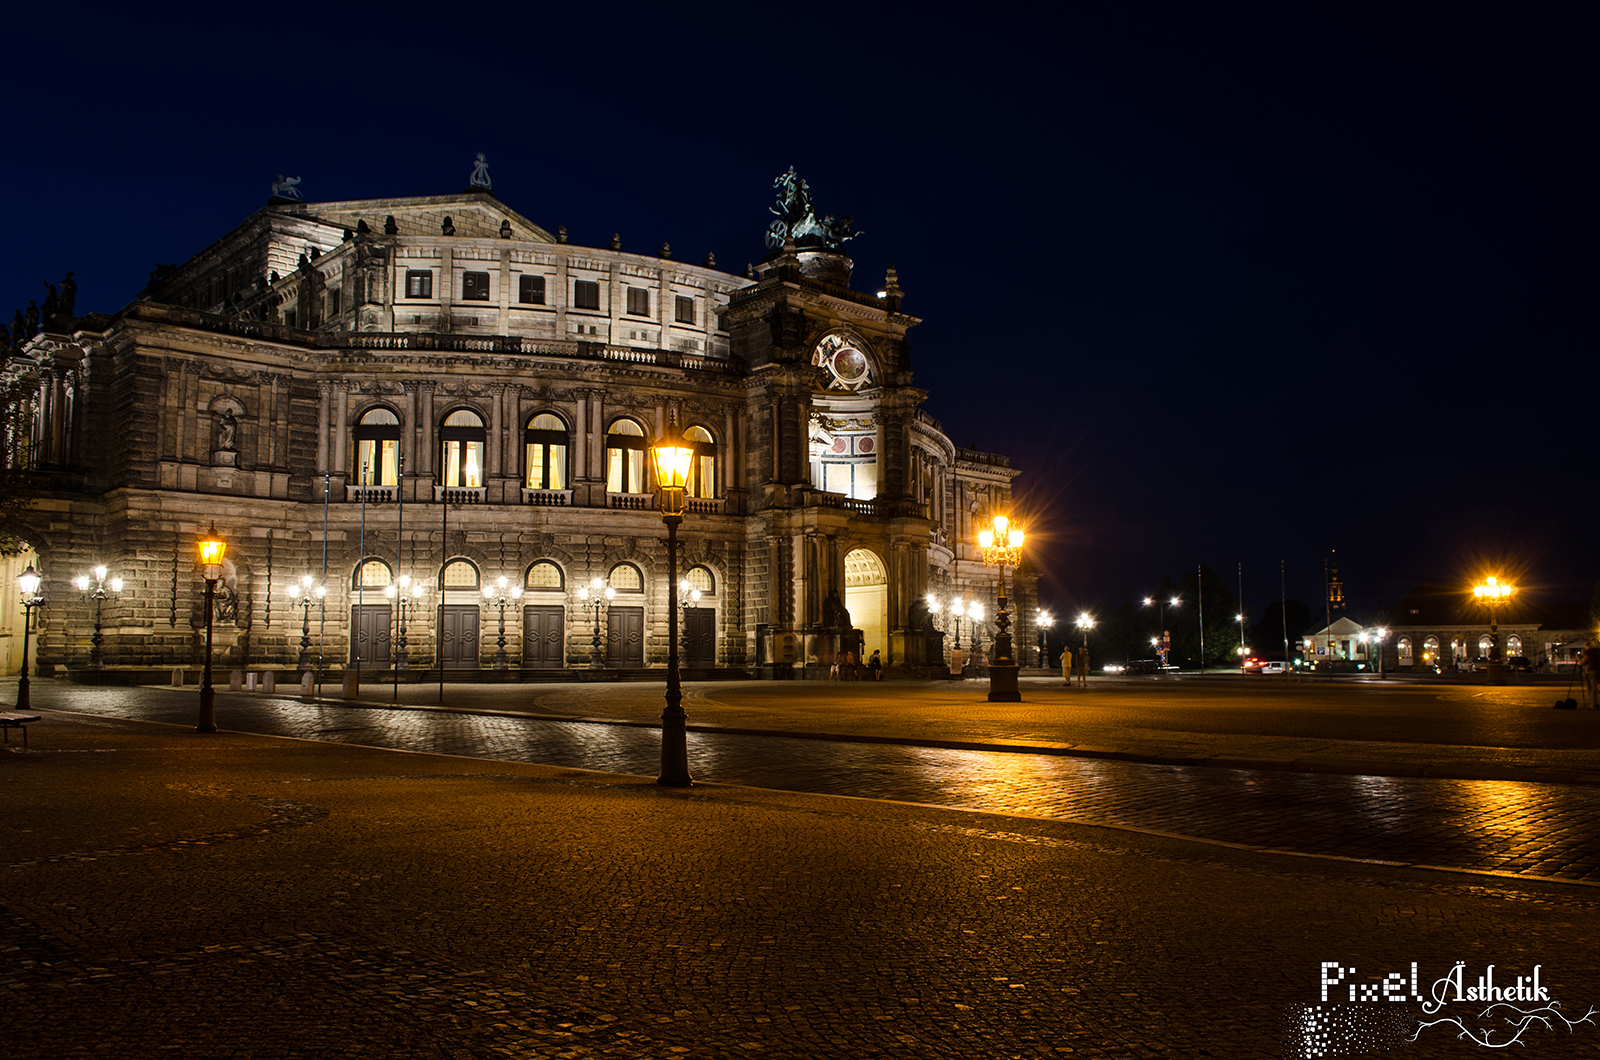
<point>12,720</point>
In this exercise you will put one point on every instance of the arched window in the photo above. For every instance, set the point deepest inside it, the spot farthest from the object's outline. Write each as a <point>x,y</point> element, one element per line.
<point>545,576</point>
<point>373,574</point>
<point>1513,645</point>
<point>545,453</point>
<point>703,476</point>
<point>1483,645</point>
<point>625,578</point>
<point>1430,650</point>
<point>377,436</point>
<point>461,441</point>
<point>700,578</point>
<point>1403,649</point>
<point>625,458</point>
<point>460,574</point>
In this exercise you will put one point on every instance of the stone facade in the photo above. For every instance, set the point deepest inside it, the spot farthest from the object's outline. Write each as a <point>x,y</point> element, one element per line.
<point>440,389</point>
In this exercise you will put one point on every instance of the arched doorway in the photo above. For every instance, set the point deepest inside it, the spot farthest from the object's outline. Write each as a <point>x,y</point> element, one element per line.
<point>866,597</point>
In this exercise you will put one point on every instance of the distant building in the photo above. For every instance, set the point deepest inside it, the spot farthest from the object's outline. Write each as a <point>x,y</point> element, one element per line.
<point>442,390</point>
<point>1445,625</point>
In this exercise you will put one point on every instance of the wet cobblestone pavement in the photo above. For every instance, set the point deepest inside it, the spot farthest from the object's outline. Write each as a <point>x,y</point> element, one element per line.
<point>168,894</point>
<point>1546,831</point>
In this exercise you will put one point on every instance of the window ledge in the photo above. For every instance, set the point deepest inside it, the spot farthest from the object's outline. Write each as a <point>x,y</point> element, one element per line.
<point>547,498</point>
<point>460,494</point>
<point>371,494</point>
<point>633,502</point>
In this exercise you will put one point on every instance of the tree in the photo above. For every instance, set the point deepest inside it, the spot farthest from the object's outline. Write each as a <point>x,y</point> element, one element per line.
<point>1204,591</point>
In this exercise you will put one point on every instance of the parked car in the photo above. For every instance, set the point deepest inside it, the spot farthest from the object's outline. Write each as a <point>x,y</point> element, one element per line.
<point>1274,668</point>
<point>1520,662</point>
<point>1140,666</point>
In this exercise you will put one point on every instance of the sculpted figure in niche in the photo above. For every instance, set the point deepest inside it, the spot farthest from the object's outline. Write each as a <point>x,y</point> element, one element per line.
<point>835,616</point>
<point>227,431</point>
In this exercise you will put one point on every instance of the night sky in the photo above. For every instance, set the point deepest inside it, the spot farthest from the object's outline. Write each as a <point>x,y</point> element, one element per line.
<point>1227,288</point>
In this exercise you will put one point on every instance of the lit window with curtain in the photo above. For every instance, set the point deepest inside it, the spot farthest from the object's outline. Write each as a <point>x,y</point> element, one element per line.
<point>461,441</point>
<point>377,451</point>
<point>625,458</point>
<point>703,474</point>
<point>545,453</point>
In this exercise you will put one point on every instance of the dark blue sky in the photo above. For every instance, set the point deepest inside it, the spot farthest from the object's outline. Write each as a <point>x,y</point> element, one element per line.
<point>1228,288</point>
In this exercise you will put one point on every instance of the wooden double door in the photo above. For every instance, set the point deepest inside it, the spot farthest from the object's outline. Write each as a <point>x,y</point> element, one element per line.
<point>369,645</point>
<point>544,628</point>
<point>458,636</point>
<point>625,636</point>
<point>699,638</point>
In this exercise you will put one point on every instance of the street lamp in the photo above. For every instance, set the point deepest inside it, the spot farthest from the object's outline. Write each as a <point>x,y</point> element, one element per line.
<point>1243,651</point>
<point>496,596</point>
<point>302,592</point>
<point>28,581</point>
<point>1492,593</point>
<point>1163,644</point>
<point>1001,546</point>
<point>98,595</point>
<point>409,597</point>
<point>597,594</point>
<point>1085,623</point>
<point>210,550</point>
<point>672,464</point>
<point>1043,623</point>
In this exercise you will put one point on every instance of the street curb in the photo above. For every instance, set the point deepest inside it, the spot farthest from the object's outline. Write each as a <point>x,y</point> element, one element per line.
<point>1345,766</point>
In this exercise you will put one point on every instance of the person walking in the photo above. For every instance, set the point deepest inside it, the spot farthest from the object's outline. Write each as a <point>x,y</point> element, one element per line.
<point>1589,662</point>
<point>875,666</point>
<point>1066,666</point>
<point>1083,668</point>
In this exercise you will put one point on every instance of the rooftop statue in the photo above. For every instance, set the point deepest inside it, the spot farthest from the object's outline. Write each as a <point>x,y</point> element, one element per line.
<point>287,187</point>
<point>797,220</point>
<point>480,173</point>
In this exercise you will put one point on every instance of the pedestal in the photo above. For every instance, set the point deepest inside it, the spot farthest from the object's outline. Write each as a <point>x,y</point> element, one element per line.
<point>1003,683</point>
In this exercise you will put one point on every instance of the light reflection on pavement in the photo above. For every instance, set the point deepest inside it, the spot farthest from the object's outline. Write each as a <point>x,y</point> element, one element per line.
<point>1547,831</point>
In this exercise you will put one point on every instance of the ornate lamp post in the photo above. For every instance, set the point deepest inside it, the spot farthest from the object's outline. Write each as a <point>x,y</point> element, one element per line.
<point>499,597</point>
<point>302,593</point>
<point>28,582</point>
<point>1492,593</point>
<point>98,594</point>
<point>210,550</point>
<point>672,463</point>
<point>1042,623</point>
<point>975,617</point>
<point>596,594</point>
<point>409,598</point>
<point>1001,547</point>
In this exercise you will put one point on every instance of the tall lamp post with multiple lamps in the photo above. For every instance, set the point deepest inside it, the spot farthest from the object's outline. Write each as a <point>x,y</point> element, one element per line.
<point>1374,639</point>
<point>672,464</point>
<point>1042,622</point>
<point>303,592</point>
<point>1085,623</point>
<point>500,597</point>
<point>597,594</point>
<point>1001,546</point>
<point>1492,593</point>
<point>101,590</point>
<point>28,583</point>
<point>408,598</point>
<point>1161,641</point>
<point>210,550</point>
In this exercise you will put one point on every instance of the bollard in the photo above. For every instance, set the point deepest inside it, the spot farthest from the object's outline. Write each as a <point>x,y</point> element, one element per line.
<point>307,683</point>
<point>250,682</point>
<point>352,685</point>
<point>177,675</point>
<point>235,681</point>
<point>269,681</point>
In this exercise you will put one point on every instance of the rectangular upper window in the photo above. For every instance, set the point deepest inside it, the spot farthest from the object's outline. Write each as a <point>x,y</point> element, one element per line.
<point>530,289</point>
<point>419,283</point>
<point>475,287</point>
<point>685,310</point>
<point>638,301</point>
<point>333,302</point>
<point>586,294</point>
